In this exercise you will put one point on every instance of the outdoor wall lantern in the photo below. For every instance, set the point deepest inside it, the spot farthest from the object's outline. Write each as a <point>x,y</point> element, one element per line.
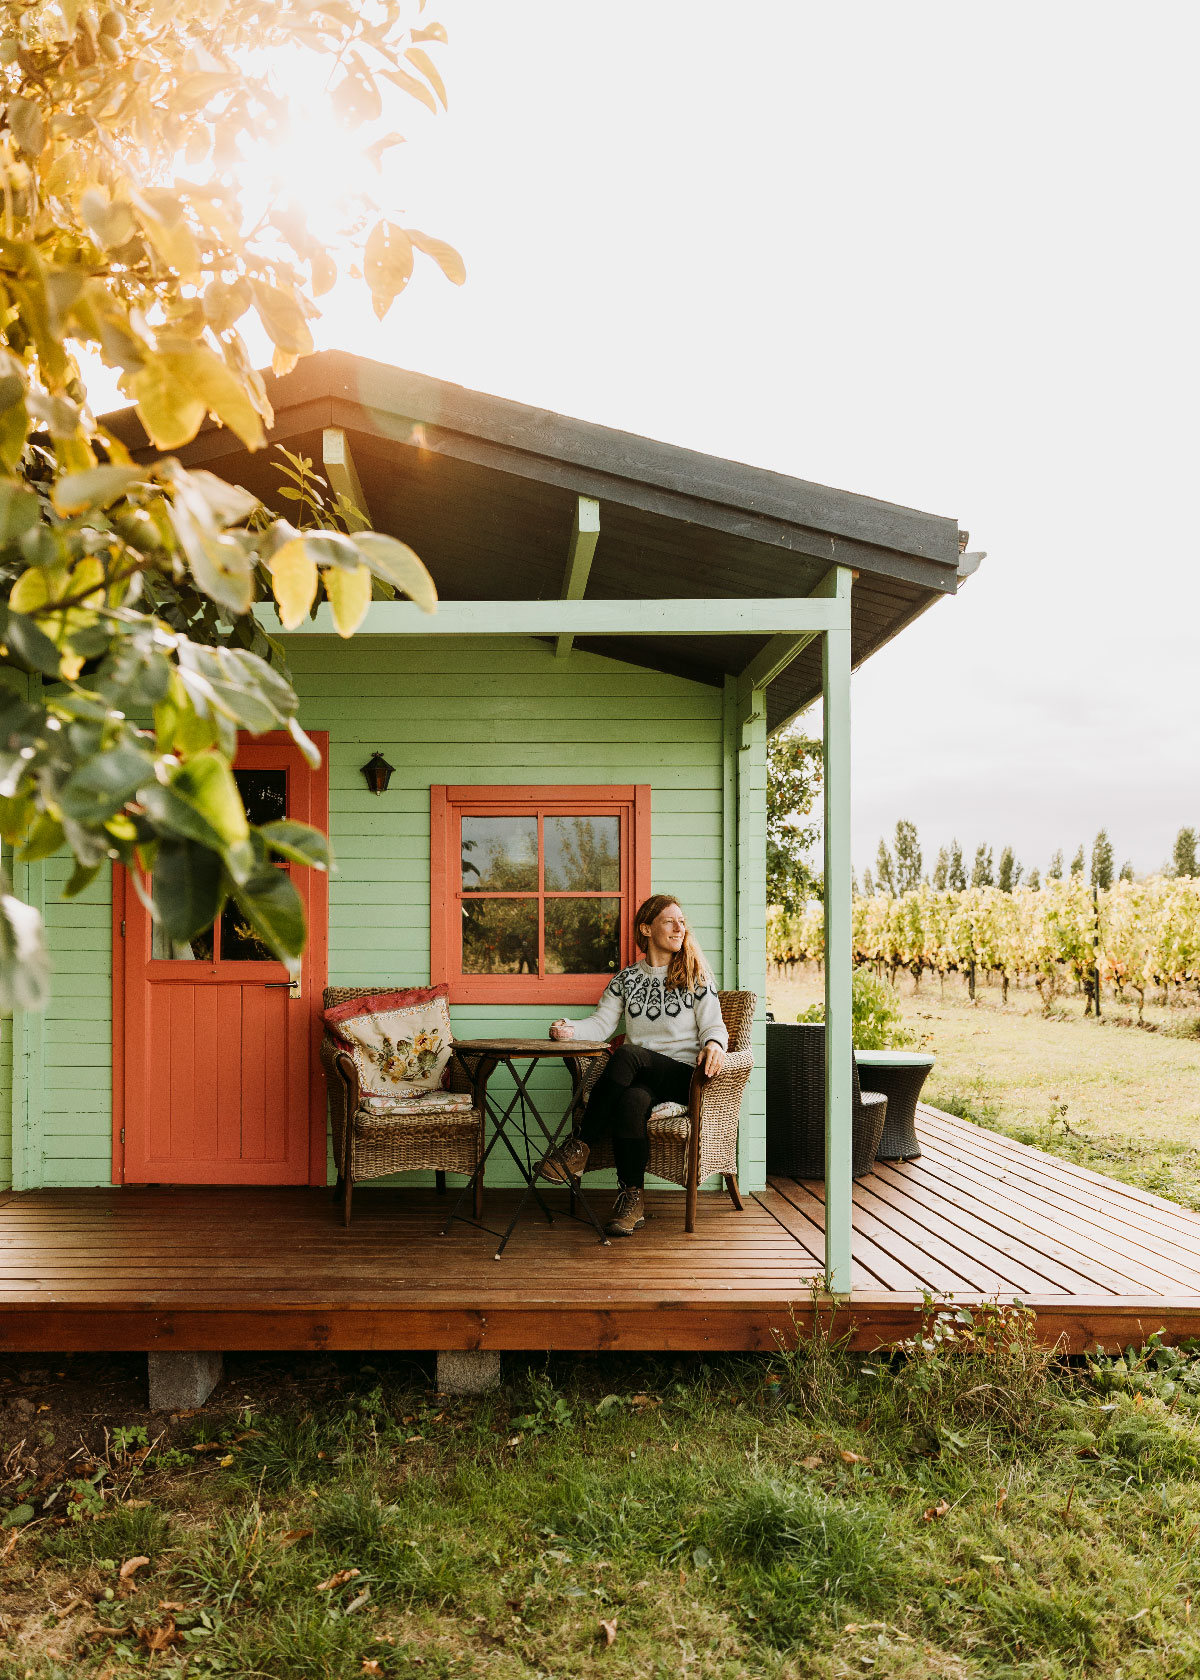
<point>377,773</point>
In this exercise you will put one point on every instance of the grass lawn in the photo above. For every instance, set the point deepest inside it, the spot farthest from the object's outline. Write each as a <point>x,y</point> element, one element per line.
<point>975,1511</point>
<point>1117,1098</point>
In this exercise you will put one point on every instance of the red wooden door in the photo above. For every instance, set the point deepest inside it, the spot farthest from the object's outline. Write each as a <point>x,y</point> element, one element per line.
<point>216,1069</point>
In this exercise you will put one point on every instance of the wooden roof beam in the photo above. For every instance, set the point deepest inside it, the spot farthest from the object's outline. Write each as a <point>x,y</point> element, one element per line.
<point>585,534</point>
<point>342,473</point>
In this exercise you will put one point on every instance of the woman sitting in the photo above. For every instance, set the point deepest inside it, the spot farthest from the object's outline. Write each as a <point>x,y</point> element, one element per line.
<point>673,1024</point>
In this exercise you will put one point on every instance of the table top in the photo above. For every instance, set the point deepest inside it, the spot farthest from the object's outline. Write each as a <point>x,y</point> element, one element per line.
<point>535,1047</point>
<point>895,1058</point>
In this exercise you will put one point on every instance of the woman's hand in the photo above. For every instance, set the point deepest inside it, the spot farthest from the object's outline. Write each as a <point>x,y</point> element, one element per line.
<point>562,1029</point>
<point>711,1059</point>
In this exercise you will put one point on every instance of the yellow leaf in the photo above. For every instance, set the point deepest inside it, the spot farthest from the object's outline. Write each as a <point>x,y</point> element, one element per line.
<point>283,317</point>
<point>387,264</point>
<point>294,581</point>
<point>412,86</point>
<point>223,393</point>
<point>171,415</point>
<point>395,563</point>
<point>445,256</point>
<point>423,62</point>
<point>349,594</point>
<point>30,592</point>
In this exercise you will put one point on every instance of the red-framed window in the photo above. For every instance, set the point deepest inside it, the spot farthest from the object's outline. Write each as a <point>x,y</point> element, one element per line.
<point>533,889</point>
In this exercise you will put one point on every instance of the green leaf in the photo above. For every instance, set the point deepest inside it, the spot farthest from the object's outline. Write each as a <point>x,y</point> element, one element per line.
<point>99,788</point>
<point>20,510</point>
<point>171,414</point>
<point>273,907</point>
<point>395,563</point>
<point>177,816</point>
<point>82,877</point>
<point>98,487</point>
<point>189,888</point>
<point>207,783</point>
<point>45,838</point>
<point>298,842</point>
<point>387,264</point>
<point>312,756</point>
<point>34,649</point>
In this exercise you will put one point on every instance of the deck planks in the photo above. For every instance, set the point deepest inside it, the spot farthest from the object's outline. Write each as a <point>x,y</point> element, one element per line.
<point>977,1216</point>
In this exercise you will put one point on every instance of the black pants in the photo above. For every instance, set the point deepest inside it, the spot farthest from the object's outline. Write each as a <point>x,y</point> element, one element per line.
<point>634,1082</point>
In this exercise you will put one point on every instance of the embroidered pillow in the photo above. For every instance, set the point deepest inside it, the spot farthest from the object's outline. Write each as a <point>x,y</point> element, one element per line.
<point>400,1041</point>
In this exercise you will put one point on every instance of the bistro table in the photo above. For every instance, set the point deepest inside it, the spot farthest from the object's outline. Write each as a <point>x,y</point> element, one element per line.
<point>480,1057</point>
<point>899,1074</point>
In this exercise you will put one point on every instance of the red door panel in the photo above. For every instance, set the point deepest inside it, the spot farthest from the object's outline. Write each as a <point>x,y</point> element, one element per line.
<point>216,1071</point>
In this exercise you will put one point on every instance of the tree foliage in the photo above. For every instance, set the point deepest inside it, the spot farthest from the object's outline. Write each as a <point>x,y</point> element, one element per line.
<point>127,592</point>
<point>1103,862</point>
<point>1009,872</point>
<point>1183,856</point>
<point>794,764</point>
<point>982,872</point>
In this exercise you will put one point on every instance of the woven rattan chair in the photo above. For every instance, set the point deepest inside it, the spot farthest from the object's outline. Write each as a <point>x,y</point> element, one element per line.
<point>686,1147</point>
<point>796,1104</point>
<point>367,1144</point>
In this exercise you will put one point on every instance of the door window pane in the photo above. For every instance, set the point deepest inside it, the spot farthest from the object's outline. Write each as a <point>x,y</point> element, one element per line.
<point>164,949</point>
<point>583,935</point>
<point>264,794</point>
<point>500,936</point>
<point>499,854</point>
<point>583,854</point>
<point>239,942</point>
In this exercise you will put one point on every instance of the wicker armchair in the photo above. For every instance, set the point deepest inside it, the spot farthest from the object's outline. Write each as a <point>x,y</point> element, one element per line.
<point>371,1145</point>
<point>796,1104</point>
<point>685,1148</point>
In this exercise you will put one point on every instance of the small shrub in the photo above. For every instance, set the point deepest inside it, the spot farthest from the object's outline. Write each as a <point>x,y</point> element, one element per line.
<point>975,1103</point>
<point>877,1021</point>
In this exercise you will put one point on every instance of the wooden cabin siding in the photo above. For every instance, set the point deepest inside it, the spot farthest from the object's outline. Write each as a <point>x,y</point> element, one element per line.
<point>485,710</point>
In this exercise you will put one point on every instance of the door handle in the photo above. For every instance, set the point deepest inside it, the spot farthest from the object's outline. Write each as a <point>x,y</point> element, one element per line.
<point>291,986</point>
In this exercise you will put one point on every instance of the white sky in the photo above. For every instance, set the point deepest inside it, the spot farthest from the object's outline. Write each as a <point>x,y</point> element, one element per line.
<point>938,253</point>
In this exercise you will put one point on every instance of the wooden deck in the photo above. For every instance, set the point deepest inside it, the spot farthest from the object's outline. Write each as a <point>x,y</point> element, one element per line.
<point>977,1216</point>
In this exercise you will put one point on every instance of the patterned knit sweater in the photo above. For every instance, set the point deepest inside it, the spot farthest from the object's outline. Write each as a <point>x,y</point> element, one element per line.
<point>675,1023</point>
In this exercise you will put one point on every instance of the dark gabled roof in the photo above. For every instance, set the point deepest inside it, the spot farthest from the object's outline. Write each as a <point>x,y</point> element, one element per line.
<point>485,490</point>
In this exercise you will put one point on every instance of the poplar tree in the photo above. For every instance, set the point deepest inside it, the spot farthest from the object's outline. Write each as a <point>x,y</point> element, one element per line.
<point>1009,874</point>
<point>941,870</point>
<point>1034,881</point>
<point>982,874</point>
<point>1055,870</point>
<point>1077,862</point>
<point>956,874</point>
<point>907,856</point>
<point>1183,857</point>
<point>885,872</point>
<point>1126,870</point>
<point>1102,861</point>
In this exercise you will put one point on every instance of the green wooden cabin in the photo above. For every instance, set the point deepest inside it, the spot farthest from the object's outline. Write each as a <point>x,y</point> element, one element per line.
<point>621,625</point>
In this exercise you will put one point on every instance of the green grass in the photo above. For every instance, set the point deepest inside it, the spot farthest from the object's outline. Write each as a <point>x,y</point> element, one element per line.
<point>971,1508</point>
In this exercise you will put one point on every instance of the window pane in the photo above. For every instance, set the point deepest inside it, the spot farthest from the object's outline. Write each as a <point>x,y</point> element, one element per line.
<point>583,935</point>
<point>162,948</point>
<point>500,936</point>
<point>583,854</point>
<point>264,794</point>
<point>499,854</point>
<point>239,942</point>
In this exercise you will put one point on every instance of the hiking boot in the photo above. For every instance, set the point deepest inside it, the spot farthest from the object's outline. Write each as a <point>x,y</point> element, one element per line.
<point>628,1214</point>
<point>562,1165</point>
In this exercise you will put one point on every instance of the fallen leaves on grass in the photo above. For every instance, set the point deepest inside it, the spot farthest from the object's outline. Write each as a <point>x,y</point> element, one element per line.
<point>848,1457</point>
<point>130,1566</point>
<point>642,1403</point>
<point>293,1536</point>
<point>337,1579</point>
<point>161,1638</point>
<point>932,1512</point>
<point>372,1665</point>
<point>812,1462</point>
<point>608,1632</point>
<point>1001,1498</point>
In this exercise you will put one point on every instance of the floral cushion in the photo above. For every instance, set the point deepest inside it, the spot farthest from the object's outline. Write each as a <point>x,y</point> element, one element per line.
<point>420,1102</point>
<point>400,1041</point>
<point>668,1111</point>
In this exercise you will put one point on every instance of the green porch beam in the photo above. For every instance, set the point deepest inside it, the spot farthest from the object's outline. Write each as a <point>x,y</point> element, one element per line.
<point>585,534</point>
<point>839,1045</point>
<point>773,659</point>
<point>342,473</point>
<point>757,615</point>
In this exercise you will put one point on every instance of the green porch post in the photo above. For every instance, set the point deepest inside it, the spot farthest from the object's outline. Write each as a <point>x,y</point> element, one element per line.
<point>835,690</point>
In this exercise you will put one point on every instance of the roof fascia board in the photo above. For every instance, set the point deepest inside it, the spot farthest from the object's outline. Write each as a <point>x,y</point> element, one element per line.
<point>400,394</point>
<point>757,615</point>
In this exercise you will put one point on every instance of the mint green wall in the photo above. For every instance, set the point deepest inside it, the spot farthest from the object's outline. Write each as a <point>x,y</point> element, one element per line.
<point>485,710</point>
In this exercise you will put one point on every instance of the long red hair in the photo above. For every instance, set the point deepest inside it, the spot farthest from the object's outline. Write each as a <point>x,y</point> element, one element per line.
<point>688,969</point>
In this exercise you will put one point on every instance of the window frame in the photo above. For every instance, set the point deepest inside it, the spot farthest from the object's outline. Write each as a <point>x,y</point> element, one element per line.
<point>450,803</point>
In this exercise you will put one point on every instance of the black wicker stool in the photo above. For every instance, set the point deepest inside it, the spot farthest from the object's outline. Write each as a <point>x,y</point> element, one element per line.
<point>899,1074</point>
<point>796,1105</point>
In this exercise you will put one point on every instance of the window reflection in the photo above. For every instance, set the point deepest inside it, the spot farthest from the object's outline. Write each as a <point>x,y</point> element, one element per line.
<point>264,794</point>
<point>500,936</point>
<point>499,854</point>
<point>583,935</point>
<point>583,854</point>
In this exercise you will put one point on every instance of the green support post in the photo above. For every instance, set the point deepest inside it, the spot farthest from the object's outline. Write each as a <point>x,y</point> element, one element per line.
<point>839,1047</point>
